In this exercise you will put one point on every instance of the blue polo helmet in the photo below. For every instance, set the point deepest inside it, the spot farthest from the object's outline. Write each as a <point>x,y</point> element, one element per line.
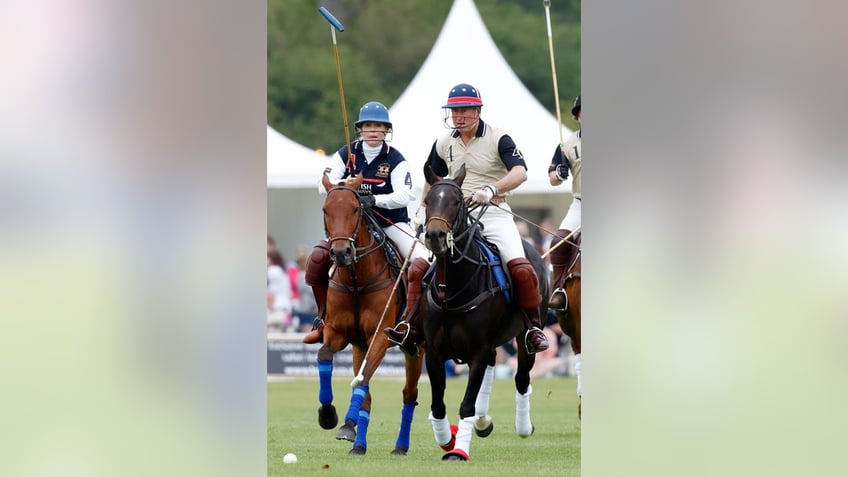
<point>373,112</point>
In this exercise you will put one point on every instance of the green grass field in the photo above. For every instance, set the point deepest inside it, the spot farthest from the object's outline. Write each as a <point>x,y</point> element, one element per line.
<point>554,448</point>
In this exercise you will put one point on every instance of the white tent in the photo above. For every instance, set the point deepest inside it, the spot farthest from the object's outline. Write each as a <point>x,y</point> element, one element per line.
<point>294,204</point>
<point>464,52</point>
<point>291,165</point>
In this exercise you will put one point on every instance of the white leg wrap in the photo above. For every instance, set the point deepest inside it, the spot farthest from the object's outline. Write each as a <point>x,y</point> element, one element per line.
<point>523,426</point>
<point>481,406</point>
<point>579,375</point>
<point>441,429</point>
<point>463,434</point>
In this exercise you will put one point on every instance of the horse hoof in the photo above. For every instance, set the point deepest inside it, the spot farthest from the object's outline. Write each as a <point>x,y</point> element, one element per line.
<point>347,432</point>
<point>456,454</point>
<point>484,426</point>
<point>357,450</point>
<point>532,430</point>
<point>399,451</point>
<point>327,417</point>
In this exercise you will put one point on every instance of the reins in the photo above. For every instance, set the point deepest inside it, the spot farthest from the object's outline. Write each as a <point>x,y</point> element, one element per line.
<point>463,231</point>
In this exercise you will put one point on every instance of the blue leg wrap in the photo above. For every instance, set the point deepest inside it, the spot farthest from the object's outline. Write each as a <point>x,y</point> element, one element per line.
<point>362,429</point>
<point>325,382</point>
<point>405,425</point>
<point>356,402</point>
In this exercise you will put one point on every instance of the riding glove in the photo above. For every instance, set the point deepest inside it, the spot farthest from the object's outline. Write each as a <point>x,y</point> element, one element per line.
<point>367,201</point>
<point>562,171</point>
<point>484,195</point>
<point>418,219</point>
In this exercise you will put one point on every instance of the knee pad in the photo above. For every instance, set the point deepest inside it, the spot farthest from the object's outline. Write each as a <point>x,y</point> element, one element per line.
<point>525,282</point>
<point>417,269</point>
<point>318,265</point>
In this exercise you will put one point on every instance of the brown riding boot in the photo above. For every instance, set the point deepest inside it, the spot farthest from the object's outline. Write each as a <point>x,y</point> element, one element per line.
<point>526,286</point>
<point>405,333</point>
<point>560,260</point>
<point>317,269</point>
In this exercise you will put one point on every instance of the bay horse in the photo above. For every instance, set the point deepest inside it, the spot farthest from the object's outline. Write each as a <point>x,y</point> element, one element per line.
<point>466,317</point>
<point>359,294</point>
<point>569,318</point>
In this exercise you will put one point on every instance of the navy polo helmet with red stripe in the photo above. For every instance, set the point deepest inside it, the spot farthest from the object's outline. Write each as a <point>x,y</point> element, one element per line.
<point>464,95</point>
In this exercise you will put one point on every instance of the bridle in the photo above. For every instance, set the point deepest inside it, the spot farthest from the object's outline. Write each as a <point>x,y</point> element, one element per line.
<point>372,246</point>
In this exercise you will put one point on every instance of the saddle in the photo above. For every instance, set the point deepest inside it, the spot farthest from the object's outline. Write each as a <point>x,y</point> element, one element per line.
<point>491,270</point>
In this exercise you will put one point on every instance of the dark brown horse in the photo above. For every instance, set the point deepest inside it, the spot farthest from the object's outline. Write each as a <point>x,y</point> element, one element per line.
<point>467,315</point>
<point>361,292</point>
<point>569,318</point>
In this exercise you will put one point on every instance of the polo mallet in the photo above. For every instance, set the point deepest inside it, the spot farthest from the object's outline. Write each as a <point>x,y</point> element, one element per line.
<point>576,229</point>
<point>547,4</point>
<point>359,377</point>
<point>337,25</point>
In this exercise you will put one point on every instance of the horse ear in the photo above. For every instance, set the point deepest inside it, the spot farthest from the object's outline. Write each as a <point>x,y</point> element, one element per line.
<point>460,176</point>
<point>355,182</point>
<point>325,181</point>
<point>429,175</point>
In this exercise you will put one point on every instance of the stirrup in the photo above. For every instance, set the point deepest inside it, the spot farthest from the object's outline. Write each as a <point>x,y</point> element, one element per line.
<point>532,349</point>
<point>556,293</point>
<point>395,329</point>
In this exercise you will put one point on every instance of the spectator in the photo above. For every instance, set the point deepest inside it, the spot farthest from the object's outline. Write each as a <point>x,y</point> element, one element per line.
<point>279,302</point>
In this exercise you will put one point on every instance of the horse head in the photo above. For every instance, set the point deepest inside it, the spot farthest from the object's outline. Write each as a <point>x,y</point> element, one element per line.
<point>343,219</point>
<point>445,208</point>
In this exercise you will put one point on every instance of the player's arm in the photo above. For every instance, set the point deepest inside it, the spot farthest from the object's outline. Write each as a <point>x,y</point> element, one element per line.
<point>558,170</point>
<point>515,165</point>
<point>401,194</point>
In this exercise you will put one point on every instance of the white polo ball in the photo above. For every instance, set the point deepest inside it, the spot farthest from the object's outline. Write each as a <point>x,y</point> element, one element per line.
<point>290,458</point>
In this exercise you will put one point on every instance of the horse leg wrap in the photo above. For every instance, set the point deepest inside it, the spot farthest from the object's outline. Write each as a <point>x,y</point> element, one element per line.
<point>463,433</point>
<point>405,424</point>
<point>356,398</point>
<point>325,382</point>
<point>523,426</point>
<point>441,431</point>
<point>362,429</point>
<point>481,406</point>
<point>578,373</point>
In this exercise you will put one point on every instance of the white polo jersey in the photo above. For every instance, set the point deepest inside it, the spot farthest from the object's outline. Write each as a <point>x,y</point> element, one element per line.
<point>571,148</point>
<point>486,157</point>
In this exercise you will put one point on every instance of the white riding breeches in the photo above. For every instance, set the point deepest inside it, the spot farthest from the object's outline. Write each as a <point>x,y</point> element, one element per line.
<point>499,228</point>
<point>572,218</point>
<point>402,236</point>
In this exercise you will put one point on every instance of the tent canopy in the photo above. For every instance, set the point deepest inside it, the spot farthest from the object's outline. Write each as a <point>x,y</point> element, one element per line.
<point>418,117</point>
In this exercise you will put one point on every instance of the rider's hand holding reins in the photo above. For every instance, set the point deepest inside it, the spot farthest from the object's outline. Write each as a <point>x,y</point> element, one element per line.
<point>367,201</point>
<point>418,219</point>
<point>484,195</point>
